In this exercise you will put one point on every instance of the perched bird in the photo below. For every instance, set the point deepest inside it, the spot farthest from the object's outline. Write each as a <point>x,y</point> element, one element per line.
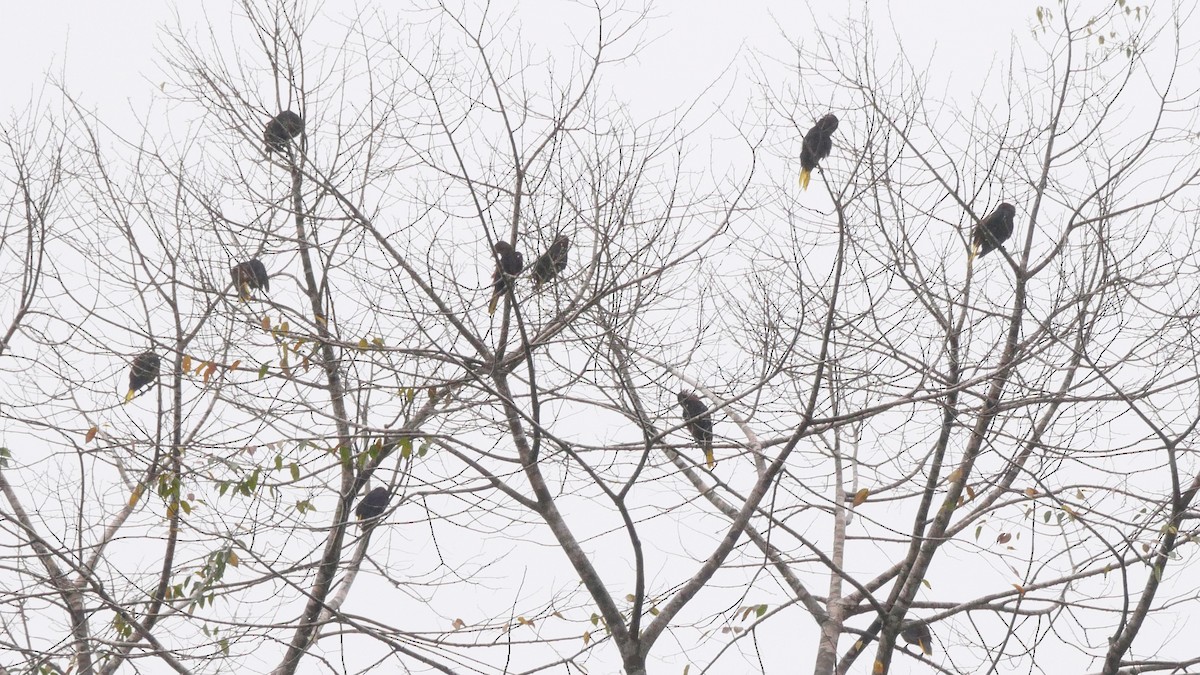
<point>699,422</point>
<point>143,371</point>
<point>511,264</point>
<point>372,506</point>
<point>991,232</point>
<point>250,275</point>
<point>552,262</point>
<point>817,144</point>
<point>282,128</point>
<point>918,634</point>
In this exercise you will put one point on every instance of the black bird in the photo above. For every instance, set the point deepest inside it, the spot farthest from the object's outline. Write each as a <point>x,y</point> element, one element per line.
<point>699,422</point>
<point>817,144</point>
<point>552,262</point>
<point>282,128</point>
<point>511,264</point>
<point>143,371</point>
<point>990,233</point>
<point>372,506</point>
<point>918,634</point>
<point>250,275</point>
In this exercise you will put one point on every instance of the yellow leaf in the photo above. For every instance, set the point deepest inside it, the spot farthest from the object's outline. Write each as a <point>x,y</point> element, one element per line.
<point>200,367</point>
<point>970,492</point>
<point>587,637</point>
<point>235,364</point>
<point>955,476</point>
<point>1020,589</point>
<point>1070,512</point>
<point>187,363</point>
<point>172,510</point>
<point>559,615</point>
<point>927,584</point>
<point>879,668</point>
<point>629,597</point>
<point>378,342</point>
<point>266,323</point>
<point>1031,493</point>
<point>861,496</point>
<point>91,434</point>
<point>137,494</point>
<point>233,559</point>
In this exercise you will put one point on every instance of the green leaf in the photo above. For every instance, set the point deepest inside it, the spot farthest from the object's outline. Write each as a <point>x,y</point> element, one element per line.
<point>344,453</point>
<point>424,448</point>
<point>295,469</point>
<point>5,455</point>
<point>225,646</point>
<point>278,462</point>
<point>762,609</point>
<point>262,370</point>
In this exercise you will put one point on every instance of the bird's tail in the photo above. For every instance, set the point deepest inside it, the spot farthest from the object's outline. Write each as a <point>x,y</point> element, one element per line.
<point>973,253</point>
<point>492,305</point>
<point>129,396</point>
<point>925,646</point>
<point>805,174</point>
<point>709,458</point>
<point>244,292</point>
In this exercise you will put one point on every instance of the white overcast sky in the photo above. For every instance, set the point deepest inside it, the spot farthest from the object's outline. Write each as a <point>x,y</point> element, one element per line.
<point>107,56</point>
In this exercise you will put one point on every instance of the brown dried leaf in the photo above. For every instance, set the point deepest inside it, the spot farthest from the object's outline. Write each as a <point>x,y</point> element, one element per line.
<point>861,496</point>
<point>91,434</point>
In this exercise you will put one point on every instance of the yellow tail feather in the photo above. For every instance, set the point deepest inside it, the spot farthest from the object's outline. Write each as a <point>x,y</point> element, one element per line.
<point>805,174</point>
<point>129,396</point>
<point>973,253</point>
<point>709,458</point>
<point>492,305</point>
<point>925,647</point>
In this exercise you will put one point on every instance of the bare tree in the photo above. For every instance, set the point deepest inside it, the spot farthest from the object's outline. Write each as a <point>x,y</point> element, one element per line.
<point>996,449</point>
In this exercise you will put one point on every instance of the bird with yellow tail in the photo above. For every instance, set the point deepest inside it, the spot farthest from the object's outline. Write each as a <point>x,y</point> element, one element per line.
<point>990,233</point>
<point>817,144</point>
<point>918,634</point>
<point>511,264</point>
<point>143,371</point>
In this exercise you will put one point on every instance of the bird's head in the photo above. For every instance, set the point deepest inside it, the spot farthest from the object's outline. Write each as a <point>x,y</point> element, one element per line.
<point>828,123</point>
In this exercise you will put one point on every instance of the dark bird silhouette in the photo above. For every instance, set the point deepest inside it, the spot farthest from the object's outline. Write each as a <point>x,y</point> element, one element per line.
<point>817,144</point>
<point>991,232</point>
<point>918,634</point>
<point>282,128</point>
<point>143,371</point>
<point>250,275</point>
<point>372,506</point>
<point>552,262</point>
<point>699,422</point>
<point>511,264</point>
